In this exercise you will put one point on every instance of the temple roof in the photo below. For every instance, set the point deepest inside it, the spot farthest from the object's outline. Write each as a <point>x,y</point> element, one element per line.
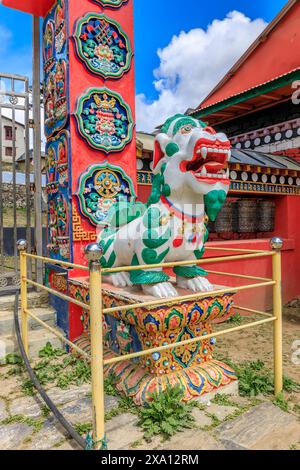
<point>263,74</point>
<point>35,7</point>
<point>250,157</point>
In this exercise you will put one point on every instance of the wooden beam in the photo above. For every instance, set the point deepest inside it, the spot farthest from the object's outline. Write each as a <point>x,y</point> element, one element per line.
<point>222,114</point>
<point>243,107</point>
<point>271,97</point>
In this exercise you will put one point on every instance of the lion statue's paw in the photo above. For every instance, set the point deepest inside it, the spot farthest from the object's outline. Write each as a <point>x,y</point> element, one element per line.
<point>195,284</point>
<point>162,290</point>
<point>118,279</point>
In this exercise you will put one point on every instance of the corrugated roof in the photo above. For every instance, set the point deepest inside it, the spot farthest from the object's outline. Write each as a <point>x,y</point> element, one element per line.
<point>267,160</point>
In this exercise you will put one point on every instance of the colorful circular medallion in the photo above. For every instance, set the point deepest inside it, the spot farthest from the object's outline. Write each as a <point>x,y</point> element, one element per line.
<point>102,46</point>
<point>104,120</point>
<point>110,3</point>
<point>101,187</point>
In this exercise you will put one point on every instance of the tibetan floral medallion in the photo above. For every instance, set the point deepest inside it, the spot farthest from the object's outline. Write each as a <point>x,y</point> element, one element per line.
<point>104,120</point>
<point>102,46</point>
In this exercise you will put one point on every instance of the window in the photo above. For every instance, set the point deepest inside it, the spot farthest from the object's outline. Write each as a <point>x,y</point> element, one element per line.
<point>8,151</point>
<point>8,132</point>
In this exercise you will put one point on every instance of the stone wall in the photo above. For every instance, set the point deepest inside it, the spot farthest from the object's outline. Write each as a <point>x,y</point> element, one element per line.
<point>20,196</point>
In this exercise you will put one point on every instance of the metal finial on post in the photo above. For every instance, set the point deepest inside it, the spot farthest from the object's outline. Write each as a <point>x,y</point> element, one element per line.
<point>93,253</point>
<point>22,247</point>
<point>277,244</point>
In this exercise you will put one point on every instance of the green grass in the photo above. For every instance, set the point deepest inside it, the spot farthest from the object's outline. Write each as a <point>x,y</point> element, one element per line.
<point>236,319</point>
<point>58,368</point>
<point>281,402</point>
<point>36,424</point>
<point>223,400</point>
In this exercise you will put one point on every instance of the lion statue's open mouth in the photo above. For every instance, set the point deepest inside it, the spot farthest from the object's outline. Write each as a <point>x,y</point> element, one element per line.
<point>209,161</point>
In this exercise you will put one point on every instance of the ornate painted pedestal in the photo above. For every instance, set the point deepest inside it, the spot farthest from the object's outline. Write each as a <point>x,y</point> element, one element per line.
<point>191,366</point>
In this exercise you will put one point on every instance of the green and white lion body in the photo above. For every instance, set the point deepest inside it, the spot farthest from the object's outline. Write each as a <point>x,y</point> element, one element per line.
<point>191,181</point>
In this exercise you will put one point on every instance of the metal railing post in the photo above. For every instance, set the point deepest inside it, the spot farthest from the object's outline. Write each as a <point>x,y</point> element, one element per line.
<point>276,244</point>
<point>93,253</point>
<point>22,247</point>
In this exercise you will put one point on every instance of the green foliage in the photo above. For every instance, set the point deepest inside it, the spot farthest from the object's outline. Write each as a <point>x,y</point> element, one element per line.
<point>110,385</point>
<point>296,409</point>
<point>289,385</point>
<point>222,400</point>
<point>45,411</point>
<point>13,359</point>
<point>62,371</point>
<point>166,414</point>
<point>281,402</point>
<point>83,428</point>
<point>125,405</point>
<point>49,351</point>
<point>236,319</point>
<point>28,388</point>
<point>18,370</point>
<point>215,420</point>
<point>254,379</point>
<point>36,424</point>
<point>78,375</point>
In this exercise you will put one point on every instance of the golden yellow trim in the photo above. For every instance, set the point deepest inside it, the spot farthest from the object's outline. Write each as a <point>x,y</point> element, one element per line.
<point>97,311</point>
<point>237,250</point>
<point>24,317</point>
<point>58,294</point>
<point>187,263</point>
<point>250,310</point>
<point>242,276</point>
<point>57,262</point>
<point>96,335</point>
<point>59,335</point>
<point>277,311</point>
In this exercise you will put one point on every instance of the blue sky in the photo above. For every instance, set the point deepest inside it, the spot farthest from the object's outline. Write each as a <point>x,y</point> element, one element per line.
<point>156,21</point>
<point>158,82</point>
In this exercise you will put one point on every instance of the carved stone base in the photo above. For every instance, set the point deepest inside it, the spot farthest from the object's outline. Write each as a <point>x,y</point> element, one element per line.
<point>191,366</point>
<point>136,382</point>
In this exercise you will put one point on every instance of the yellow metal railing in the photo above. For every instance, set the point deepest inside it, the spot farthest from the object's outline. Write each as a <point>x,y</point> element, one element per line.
<point>96,310</point>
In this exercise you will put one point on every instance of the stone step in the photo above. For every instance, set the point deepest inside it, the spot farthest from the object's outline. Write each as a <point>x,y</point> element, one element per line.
<point>263,427</point>
<point>34,299</point>
<point>7,324</point>
<point>37,340</point>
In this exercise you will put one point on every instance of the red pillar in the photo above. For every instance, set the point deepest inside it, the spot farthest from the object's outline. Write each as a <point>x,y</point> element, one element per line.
<point>89,118</point>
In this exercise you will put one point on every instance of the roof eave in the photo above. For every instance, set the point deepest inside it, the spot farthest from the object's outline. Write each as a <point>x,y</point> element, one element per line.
<point>264,88</point>
<point>261,38</point>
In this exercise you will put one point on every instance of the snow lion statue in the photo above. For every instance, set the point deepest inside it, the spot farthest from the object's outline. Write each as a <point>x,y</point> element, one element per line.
<point>191,182</point>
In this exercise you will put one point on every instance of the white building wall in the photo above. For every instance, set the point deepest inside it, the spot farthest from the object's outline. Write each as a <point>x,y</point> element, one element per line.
<point>20,139</point>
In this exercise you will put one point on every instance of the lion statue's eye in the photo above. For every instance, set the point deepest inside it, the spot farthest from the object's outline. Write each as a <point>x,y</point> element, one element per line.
<point>186,129</point>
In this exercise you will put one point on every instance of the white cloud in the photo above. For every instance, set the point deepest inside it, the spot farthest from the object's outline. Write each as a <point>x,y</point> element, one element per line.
<point>193,63</point>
